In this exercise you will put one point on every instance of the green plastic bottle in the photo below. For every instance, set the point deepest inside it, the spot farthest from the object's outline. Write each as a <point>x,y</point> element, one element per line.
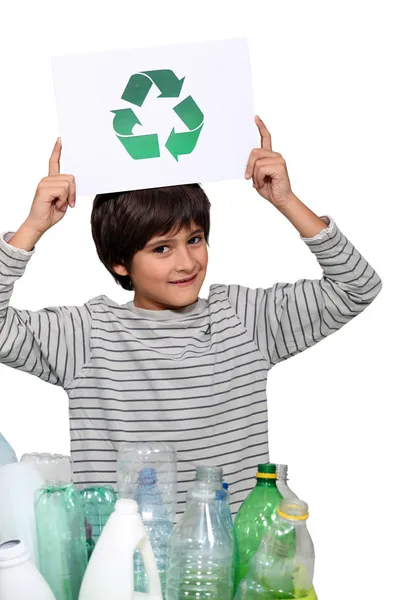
<point>255,517</point>
<point>60,525</point>
<point>283,566</point>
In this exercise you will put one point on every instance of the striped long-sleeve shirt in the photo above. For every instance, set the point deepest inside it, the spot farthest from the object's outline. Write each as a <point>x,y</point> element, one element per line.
<point>195,377</point>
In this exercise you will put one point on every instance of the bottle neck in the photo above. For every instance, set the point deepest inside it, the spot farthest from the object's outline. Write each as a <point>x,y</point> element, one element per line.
<point>209,476</point>
<point>282,473</point>
<point>266,483</point>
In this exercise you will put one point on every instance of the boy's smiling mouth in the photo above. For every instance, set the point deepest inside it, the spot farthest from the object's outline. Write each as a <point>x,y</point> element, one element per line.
<point>186,281</point>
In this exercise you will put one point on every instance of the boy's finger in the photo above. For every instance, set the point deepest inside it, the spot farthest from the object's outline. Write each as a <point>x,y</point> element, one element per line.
<point>54,162</point>
<point>266,141</point>
<point>256,154</point>
<point>72,193</point>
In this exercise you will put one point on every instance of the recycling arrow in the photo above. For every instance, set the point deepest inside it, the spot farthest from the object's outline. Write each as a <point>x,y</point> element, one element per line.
<point>137,146</point>
<point>193,118</point>
<point>147,146</point>
<point>141,146</point>
<point>139,85</point>
<point>124,121</point>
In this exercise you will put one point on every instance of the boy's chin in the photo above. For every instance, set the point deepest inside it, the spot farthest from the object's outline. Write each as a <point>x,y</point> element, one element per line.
<point>183,297</point>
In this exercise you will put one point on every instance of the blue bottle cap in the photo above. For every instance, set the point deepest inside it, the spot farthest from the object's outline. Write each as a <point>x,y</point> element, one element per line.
<point>147,476</point>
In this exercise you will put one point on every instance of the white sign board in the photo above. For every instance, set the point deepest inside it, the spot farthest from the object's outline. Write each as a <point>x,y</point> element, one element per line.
<point>152,117</point>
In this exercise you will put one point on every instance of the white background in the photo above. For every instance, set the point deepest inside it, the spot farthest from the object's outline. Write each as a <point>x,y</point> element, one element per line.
<point>325,80</point>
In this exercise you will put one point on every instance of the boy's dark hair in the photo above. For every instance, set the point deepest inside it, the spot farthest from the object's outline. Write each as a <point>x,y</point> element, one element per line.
<point>123,222</point>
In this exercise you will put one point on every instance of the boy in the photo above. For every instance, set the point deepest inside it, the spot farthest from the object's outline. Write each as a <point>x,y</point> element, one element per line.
<point>170,366</point>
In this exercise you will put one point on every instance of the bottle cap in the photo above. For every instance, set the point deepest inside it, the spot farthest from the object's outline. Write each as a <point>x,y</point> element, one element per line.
<point>225,485</point>
<point>147,476</point>
<point>293,510</point>
<point>266,471</point>
<point>13,549</point>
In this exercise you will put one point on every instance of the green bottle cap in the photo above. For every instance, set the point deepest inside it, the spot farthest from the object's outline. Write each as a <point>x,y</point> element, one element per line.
<point>267,468</point>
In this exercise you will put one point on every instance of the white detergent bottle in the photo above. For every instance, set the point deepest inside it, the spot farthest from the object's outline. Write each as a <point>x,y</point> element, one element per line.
<point>19,578</point>
<point>110,570</point>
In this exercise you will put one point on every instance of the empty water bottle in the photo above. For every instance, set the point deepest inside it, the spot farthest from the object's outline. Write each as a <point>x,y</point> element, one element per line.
<point>54,468</point>
<point>98,505</point>
<point>61,539</point>
<point>282,482</point>
<point>147,473</point>
<point>201,545</point>
<point>255,515</point>
<point>283,566</point>
<point>223,505</point>
<point>157,525</point>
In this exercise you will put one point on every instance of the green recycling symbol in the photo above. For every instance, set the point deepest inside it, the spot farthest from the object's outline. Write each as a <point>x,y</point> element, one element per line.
<point>147,146</point>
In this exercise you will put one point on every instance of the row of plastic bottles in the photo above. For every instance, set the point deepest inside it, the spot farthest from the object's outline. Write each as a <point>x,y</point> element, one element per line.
<point>267,553</point>
<point>61,526</point>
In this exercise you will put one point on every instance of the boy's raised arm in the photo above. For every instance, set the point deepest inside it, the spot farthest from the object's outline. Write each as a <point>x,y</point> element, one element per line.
<point>52,343</point>
<point>288,318</point>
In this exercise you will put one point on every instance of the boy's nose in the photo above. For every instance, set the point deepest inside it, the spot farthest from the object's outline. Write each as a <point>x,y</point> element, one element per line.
<point>184,261</point>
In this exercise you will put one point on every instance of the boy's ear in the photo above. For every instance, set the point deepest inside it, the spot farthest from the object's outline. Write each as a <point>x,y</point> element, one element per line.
<point>120,270</point>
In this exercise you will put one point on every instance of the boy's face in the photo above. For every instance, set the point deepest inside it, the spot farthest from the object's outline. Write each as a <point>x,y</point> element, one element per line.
<point>165,261</point>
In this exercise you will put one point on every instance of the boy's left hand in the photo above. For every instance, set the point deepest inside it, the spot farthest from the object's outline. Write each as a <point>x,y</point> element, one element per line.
<point>268,170</point>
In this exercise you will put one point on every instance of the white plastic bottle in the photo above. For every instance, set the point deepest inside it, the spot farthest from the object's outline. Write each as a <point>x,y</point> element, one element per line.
<point>18,485</point>
<point>110,570</point>
<point>7,453</point>
<point>19,578</point>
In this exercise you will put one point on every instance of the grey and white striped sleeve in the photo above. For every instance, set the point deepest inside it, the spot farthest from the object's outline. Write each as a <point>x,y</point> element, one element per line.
<point>52,343</point>
<point>286,319</point>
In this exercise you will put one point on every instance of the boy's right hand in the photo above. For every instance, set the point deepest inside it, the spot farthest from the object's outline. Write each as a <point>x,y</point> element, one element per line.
<point>54,194</point>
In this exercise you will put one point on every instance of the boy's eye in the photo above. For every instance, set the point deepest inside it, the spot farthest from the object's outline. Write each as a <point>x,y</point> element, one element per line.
<point>159,249</point>
<point>163,249</point>
<point>197,237</point>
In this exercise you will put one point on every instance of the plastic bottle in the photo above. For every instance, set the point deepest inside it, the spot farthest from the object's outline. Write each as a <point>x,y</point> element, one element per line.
<point>7,454</point>
<point>283,566</point>
<point>282,482</point>
<point>147,473</point>
<point>255,515</point>
<point>222,498</point>
<point>201,546</point>
<point>54,468</point>
<point>157,525</point>
<point>19,578</point>
<point>109,573</point>
<point>18,485</point>
<point>98,505</point>
<point>61,539</point>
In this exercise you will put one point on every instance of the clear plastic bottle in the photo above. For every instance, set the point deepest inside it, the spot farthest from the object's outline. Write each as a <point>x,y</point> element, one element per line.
<point>54,468</point>
<point>255,515</point>
<point>201,547</point>
<point>147,473</point>
<point>282,482</point>
<point>61,539</point>
<point>7,454</point>
<point>158,527</point>
<point>283,566</point>
<point>222,498</point>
